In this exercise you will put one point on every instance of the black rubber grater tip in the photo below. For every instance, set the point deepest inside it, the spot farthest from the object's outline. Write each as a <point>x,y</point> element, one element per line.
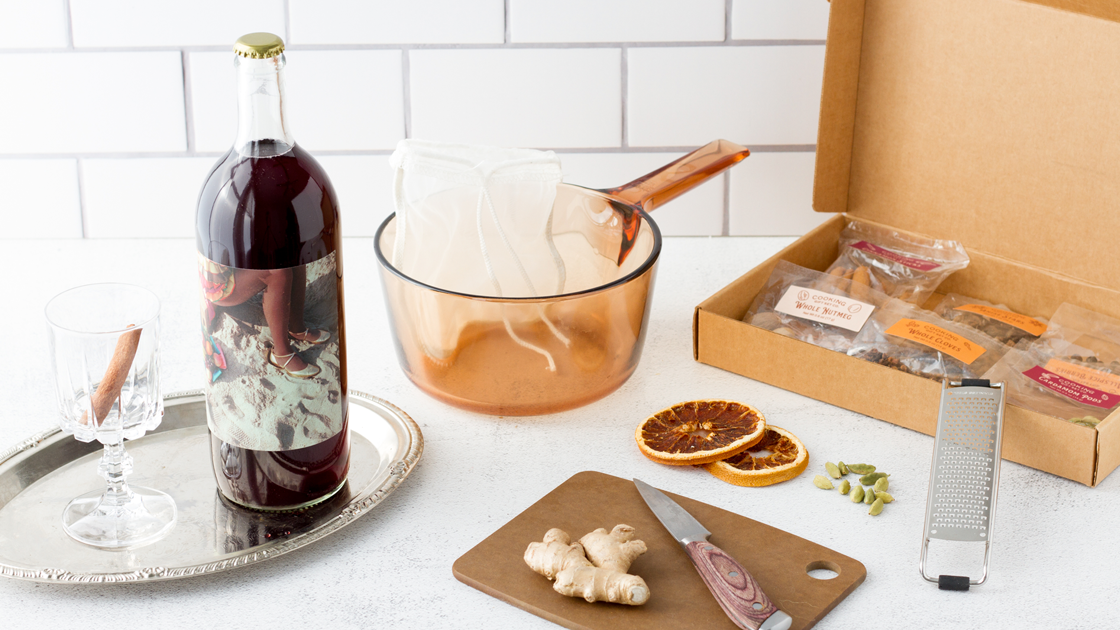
<point>952,582</point>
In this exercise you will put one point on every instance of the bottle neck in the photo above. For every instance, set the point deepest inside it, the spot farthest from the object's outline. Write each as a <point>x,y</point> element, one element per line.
<point>262,121</point>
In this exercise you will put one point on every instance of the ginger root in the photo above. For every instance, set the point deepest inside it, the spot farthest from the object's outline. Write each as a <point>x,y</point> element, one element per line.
<point>593,568</point>
<point>597,584</point>
<point>555,554</point>
<point>616,550</point>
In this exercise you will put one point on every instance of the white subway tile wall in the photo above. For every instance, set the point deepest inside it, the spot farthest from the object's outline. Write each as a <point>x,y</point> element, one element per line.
<point>386,22</point>
<point>130,23</point>
<point>41,198</point>
<point>617,21</point>
<point>553,97</point>
<point>27,24</point>
<point>779,19</point>
<point>750,94</point>
<point>115,110</point>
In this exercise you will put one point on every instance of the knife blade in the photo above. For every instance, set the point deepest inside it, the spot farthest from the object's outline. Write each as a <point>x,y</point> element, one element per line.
<point>734,587</point>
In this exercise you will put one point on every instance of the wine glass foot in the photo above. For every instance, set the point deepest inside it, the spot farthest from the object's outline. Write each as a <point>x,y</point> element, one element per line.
<point>94,521</point>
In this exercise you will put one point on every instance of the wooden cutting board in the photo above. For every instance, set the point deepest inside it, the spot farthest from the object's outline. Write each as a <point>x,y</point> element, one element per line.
<point>779,561</point>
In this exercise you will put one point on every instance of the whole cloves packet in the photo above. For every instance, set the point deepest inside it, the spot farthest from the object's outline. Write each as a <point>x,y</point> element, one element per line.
<point>814,307</point>
<point>901,265</point>
<point>904,337</point>
<point>995,320</point>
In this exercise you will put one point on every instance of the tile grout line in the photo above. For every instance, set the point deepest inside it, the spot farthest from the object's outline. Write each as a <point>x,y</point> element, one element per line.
<point>69,25</point>
<point>725,229</point>
<point>287,22</point>
<point>506,26</point>
<point>624,96</point>
<point>188,110</point>
<point>82,197</point>
<point>734,43</point>
<point>629,150</point>
<point>727,21</point>
<point>406,92</point>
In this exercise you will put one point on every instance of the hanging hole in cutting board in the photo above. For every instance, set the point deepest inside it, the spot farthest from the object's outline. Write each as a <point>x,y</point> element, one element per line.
<point>823,570</point>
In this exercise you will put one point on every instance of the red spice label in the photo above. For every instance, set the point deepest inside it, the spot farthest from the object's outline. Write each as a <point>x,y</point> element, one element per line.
<point>1086,376</point>
<point>1072,389</point>
<point>920,264</point>
<point>1022,322</point>
<point>937,338</point>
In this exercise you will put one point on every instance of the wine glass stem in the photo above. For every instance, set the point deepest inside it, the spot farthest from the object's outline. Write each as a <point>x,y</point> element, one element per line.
<point>115,465</point>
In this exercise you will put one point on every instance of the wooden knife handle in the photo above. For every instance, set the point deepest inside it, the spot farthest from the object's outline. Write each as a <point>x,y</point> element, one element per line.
<point>734,588</point>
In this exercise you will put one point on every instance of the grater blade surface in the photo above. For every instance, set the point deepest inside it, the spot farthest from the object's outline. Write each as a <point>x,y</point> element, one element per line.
<point>965,471</point>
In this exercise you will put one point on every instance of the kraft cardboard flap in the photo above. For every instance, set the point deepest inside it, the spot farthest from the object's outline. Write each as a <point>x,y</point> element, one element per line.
<point>992,122</point>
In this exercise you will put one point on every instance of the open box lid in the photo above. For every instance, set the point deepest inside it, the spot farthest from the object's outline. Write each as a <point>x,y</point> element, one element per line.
<point>991,122</point>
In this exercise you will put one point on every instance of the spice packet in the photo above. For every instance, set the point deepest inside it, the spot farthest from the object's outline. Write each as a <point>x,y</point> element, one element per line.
<point>1057,384</point>
<point>813,307</point>
<point>904,337</point>
<point>903,266</point>
<point>1096,336</point>
<point>995,320</point>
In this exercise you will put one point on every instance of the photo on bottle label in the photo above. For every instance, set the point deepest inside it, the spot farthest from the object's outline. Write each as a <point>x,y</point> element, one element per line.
<point>270,338</point>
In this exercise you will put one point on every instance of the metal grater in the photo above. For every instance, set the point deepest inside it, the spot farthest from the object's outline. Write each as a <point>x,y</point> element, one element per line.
<point>964,476</point>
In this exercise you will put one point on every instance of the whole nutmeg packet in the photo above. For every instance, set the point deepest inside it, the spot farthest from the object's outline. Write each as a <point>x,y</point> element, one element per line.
<point>901,265</point>
<point>814,307</point>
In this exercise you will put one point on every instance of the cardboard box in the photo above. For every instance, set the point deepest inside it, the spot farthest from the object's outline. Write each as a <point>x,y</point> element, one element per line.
<point>992,122</point>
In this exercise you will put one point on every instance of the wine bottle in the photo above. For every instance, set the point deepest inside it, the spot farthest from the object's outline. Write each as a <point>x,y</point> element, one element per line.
<point>270,268</point>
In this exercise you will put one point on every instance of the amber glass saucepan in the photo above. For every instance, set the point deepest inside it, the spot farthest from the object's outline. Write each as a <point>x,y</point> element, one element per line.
<point>538,355</point>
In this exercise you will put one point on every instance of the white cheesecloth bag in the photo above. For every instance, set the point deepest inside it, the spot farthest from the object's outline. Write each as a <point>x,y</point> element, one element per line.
<point>475,220</point>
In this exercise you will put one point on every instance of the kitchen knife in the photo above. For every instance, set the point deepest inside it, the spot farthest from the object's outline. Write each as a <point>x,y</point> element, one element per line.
<point>734,588</point>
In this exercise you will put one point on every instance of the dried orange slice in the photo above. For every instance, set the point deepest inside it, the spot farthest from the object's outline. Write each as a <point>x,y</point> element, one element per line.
<point>699,432</point>
<point>777,457</point>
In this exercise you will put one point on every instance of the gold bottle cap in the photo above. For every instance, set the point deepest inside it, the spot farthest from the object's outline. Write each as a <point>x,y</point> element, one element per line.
<point>259,45</point>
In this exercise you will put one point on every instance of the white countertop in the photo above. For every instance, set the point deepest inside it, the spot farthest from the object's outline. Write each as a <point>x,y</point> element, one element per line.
<point>1053,560</point>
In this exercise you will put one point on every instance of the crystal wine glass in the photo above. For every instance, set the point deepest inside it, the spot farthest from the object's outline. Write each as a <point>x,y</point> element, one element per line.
<point>104,344</point>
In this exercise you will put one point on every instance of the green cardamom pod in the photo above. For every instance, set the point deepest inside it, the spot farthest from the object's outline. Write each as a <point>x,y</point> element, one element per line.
<point>868,496</point>
<point>833,470</point>
<point>876,507</point>
<point>843,468</point>
<point>861,469</point>
<point>870,478</point>
<point>856,494</point>
<point>845,487</point>
<point>823,482</point>
<point>885,496</point>
<point>882,485</point>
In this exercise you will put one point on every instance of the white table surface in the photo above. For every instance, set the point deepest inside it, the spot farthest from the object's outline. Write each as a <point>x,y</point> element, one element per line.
<point>1055,551</point>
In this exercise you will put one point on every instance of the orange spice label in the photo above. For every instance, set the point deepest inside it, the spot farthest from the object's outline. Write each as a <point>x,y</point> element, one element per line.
<point>1022,322</point>
<point>1097,379</point>
<point>937,338</point>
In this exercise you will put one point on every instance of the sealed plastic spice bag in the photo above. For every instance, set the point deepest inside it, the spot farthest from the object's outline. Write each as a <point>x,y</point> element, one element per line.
<point>813,307</point>
<point>1097,335</point>
<point>1059,385</point>
<point>995,320</point>
<point>903,266</point>
<point>907,338</point>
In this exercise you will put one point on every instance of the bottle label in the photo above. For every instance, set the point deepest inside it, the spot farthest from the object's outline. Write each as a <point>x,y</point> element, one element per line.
<point>271,343</point>
<point>825,308</point>
<point>938,339</point>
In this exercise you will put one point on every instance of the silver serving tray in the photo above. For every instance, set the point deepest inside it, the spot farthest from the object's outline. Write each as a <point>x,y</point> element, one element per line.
<point>40,475</point>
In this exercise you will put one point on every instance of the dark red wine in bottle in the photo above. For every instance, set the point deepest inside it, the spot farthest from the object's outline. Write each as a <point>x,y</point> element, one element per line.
<point>273,335</point>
